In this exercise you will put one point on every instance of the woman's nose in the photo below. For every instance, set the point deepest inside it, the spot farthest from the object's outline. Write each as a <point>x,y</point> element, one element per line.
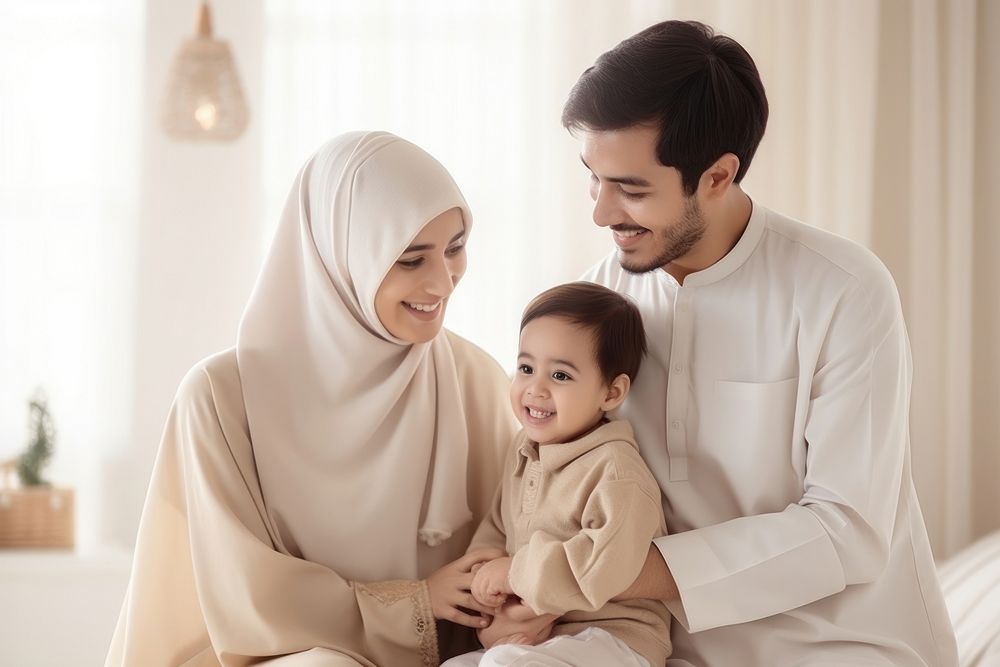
<point>441,281</point>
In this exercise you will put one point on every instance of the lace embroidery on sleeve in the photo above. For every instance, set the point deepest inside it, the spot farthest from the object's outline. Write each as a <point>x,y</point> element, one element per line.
<point>391,592</point>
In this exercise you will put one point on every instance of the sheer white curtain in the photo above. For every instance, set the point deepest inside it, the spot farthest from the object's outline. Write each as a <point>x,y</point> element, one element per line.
<point>480,86</point>
<point>879,120</point>
<point>68,117</point>
<point>873,135</point>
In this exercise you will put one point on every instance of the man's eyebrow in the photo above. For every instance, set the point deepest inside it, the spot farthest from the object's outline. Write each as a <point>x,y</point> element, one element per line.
<point>634,181</point>
<point>430,246</point>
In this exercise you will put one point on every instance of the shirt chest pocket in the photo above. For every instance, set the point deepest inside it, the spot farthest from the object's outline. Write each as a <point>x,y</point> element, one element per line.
<point>749,428</point>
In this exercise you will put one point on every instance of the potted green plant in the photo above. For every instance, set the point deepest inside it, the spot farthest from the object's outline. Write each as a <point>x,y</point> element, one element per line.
<point>33,513</point>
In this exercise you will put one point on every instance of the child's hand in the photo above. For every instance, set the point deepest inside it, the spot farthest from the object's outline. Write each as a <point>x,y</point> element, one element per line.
<point>449,589</point>
<point>489,584</point>
<point>514,623</point>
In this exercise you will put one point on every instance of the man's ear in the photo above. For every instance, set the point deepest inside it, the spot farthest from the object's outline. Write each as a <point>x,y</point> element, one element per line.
<point>716,180</point>
<point>616,393</point>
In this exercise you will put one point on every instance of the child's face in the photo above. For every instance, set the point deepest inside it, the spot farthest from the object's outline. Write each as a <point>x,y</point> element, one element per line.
<point>558,392</point>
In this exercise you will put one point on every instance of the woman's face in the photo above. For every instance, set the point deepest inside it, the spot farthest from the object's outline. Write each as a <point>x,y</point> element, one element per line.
<point>412,298</point>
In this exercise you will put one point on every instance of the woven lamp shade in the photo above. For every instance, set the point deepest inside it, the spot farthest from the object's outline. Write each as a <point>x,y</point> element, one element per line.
<point>204,100</point>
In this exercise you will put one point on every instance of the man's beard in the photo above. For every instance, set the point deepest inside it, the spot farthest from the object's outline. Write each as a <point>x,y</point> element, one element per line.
<point>675,241</point>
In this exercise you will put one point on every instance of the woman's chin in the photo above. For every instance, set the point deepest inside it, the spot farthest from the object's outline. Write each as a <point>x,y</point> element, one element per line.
<point>424,333</point>
<point>416,327</point>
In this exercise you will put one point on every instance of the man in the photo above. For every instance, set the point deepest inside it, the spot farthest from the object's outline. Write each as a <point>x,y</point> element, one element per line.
<point>773,406</point>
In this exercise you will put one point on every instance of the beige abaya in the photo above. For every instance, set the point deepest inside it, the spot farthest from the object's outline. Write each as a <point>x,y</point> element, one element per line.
<point>309,478</point>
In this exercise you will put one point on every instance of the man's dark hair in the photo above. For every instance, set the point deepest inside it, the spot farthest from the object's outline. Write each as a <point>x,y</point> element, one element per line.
<point>612,319</point>
<point>702,90</point>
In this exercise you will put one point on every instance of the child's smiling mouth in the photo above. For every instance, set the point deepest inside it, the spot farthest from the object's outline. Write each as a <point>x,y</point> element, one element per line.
<point>537,417</point>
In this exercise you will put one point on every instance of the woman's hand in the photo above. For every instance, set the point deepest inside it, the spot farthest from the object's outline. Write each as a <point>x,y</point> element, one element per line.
<point>450,590</point>
<point>516,623</point>
<point>490,584</point>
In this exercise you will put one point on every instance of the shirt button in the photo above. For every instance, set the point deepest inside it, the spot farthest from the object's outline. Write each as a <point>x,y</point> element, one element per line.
<point>675,424</point>
<point>678,368</point>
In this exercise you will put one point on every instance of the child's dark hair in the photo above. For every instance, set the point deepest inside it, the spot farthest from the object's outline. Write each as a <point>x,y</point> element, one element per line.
<point>614,321</point>
<point>701,90</point>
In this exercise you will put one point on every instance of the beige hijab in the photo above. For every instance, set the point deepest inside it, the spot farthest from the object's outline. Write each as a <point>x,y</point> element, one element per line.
<point>359,438</point>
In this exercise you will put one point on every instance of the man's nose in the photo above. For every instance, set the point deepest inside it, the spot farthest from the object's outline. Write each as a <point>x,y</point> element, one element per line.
<point>605,209</point>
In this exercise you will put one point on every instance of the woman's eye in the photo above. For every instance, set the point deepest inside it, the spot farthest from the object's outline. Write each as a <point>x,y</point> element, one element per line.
<point>560,376</point>
<point>455,250</point>
<point>411,263</point>
<point>524,369</point>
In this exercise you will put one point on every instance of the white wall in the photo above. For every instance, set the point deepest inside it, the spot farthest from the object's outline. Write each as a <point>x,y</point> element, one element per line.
<point>198,239</point>
<point>198,247</point>
<point>59,609</point>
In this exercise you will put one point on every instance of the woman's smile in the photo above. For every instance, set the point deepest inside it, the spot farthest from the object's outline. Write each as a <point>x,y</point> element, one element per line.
<point>425,312</point>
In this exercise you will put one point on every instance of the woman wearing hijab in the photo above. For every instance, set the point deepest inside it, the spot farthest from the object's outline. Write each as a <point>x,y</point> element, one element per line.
<point>316,485</point>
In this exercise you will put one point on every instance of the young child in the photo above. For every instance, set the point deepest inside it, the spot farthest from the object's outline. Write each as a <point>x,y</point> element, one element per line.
<point>577,508</point>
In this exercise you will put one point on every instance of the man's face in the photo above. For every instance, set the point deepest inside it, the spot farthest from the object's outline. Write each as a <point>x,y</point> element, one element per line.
<point>643,202</point>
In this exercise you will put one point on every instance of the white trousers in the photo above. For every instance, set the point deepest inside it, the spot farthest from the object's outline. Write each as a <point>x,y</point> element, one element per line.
<point>592,647</point>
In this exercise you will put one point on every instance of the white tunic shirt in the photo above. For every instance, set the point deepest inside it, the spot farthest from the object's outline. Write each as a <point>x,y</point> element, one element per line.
<point>773,410</point>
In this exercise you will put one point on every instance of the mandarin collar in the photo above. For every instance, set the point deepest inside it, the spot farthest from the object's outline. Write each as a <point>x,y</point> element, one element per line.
<point>732,260</point>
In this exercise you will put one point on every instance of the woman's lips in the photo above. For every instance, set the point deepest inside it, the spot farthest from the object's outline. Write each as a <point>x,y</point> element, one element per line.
<point>424,315</point>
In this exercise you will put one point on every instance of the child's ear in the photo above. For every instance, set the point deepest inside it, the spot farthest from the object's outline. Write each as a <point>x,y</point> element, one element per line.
<point>617,391</point>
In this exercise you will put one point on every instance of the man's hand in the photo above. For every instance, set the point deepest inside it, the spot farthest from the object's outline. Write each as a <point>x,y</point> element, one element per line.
<point>516,623</point>
<point>490,585</point>
<point>449,586</point>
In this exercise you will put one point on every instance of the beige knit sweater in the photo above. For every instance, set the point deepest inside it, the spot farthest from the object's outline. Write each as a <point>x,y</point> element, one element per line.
<point>578,519</point>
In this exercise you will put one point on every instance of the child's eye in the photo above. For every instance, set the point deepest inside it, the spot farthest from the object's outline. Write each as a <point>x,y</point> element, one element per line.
<point>411,263</point>
<point>559,376</point>
<point>524,369</point>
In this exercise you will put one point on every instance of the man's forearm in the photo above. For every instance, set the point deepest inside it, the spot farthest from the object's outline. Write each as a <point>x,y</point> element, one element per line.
<point>654,581</point>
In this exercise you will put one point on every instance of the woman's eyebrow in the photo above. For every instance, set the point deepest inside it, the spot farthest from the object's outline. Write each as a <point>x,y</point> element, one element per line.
<point>431,246</point>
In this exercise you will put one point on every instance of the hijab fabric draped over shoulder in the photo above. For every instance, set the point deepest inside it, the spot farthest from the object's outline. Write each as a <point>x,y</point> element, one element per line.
<point>359,438</point>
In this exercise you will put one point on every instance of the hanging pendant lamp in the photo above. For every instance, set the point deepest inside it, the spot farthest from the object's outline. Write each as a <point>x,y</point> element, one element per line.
<point>204,100</point>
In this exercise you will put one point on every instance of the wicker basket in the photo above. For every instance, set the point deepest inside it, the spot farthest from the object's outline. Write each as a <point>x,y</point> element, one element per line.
<point>36,517</point>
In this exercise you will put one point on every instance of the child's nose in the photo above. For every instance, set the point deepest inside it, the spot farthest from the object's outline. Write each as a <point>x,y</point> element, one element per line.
<point>538,389</point>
